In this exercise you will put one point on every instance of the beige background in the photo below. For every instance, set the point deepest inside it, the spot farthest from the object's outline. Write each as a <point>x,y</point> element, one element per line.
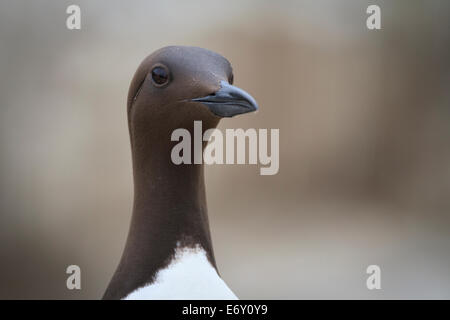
<point>364,119</point>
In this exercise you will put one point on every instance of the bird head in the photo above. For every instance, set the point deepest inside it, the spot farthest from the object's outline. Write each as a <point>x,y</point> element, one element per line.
<point>177,85</point>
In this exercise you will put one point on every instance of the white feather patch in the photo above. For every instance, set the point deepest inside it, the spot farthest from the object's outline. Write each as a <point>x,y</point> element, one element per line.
<point>189,276</point>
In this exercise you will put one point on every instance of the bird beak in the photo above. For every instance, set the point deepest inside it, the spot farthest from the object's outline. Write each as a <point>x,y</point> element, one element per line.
<point>229,101</point>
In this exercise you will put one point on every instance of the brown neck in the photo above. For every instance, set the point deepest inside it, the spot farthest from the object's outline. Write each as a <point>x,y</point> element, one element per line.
<point>169,210</point>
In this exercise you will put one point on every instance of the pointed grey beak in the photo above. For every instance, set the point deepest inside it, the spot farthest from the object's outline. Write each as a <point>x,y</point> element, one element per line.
<point>229,101</point>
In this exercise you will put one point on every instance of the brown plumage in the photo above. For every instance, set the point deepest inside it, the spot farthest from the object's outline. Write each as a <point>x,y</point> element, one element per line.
<point>172,88</point>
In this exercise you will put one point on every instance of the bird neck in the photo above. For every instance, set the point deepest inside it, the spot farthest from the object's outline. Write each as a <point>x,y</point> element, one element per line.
<point>169,205</point>
<point>169,212</point>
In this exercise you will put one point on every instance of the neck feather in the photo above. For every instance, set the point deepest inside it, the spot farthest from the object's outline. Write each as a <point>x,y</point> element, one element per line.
<point>169,211</point>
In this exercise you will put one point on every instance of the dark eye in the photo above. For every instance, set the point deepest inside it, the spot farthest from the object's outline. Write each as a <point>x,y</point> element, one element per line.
<point>230,81</point>
<point>160,76</point>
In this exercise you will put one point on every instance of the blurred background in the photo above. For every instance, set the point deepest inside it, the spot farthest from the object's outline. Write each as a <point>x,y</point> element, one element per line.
<point>364,119</point>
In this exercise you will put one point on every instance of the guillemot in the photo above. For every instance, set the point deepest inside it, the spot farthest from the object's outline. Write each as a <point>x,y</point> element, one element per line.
<point>168,252</point>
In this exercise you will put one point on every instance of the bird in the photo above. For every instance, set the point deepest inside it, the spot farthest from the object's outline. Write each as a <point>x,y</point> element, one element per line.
<point>168,252</point>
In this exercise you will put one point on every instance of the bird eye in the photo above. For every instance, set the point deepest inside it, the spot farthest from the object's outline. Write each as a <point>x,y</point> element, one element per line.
<point>160,76</point>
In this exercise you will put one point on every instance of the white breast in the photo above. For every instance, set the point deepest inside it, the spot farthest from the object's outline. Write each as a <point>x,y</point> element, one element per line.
<point>189,276</point>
